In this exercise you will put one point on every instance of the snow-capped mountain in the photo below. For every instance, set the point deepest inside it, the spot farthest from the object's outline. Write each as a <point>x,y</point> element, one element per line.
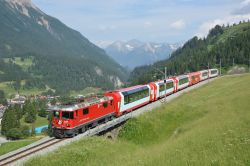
<point>135,53</point>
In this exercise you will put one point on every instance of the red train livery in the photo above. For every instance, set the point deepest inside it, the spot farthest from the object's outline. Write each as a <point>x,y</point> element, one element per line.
<point>69,120</point>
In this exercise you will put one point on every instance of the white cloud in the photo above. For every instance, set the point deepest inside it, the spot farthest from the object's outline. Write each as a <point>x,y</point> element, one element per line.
<point>245,2</point>
<point>243,9</point>
<point>180,24</point>
<point>206,26</point>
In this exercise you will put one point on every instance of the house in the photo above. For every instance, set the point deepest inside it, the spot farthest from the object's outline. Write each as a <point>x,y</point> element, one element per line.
<point>17,100</point>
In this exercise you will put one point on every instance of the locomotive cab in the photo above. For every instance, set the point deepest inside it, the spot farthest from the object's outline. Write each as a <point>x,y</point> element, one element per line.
<point>62,120</point>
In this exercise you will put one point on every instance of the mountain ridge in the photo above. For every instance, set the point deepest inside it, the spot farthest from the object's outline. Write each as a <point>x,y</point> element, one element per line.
<point>134,53</point>
<point>26,31</point>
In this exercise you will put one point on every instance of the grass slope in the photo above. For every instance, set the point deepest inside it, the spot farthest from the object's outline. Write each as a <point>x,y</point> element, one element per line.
<point>40,121</point>
<point>208,126</point>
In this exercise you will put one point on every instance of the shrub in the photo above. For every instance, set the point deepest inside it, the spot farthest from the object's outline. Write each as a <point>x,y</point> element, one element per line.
<point>14,134</point>
<point>25,130</point>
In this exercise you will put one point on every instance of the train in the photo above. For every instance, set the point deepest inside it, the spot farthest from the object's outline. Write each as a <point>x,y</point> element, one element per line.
<point>71,119</point>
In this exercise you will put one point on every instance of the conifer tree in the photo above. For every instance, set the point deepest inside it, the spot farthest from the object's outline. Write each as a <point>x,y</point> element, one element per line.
<point>31,112</point>
<point>10,120</point>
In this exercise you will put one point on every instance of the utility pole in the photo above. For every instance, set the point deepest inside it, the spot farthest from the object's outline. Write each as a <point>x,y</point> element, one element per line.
<point>208,69</point>
<point>166,72</point>
<point>220,66</point>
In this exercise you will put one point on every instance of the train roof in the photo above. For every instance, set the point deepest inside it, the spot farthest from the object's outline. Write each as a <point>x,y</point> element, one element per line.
<point>182,76</point>
<point>75,106</point>
<point>204,70</point>
<point>129,88</point>
<point>167,80</point>
<point>194,73</point>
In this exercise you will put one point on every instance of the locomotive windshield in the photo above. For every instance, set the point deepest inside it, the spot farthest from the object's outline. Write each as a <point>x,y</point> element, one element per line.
<point>67,115</point>
<point>56,114</point>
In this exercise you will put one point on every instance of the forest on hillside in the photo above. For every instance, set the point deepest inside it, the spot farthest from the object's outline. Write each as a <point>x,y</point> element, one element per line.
<point>60,73</point>
<point>228,44</point>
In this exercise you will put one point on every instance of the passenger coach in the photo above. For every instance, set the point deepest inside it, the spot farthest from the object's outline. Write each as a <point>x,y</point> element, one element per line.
<point>131,98</point>
<point>163,88</point>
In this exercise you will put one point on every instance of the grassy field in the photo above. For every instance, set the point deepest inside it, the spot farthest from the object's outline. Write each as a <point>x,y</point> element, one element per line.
<point>8,90</point>
<point>40,121</point>
<point>209,126</point>
<point>10,146</point>
<point>86,92</point>
<point>25,63</point>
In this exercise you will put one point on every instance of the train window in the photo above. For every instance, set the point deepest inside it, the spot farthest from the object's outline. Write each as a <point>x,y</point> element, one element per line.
<point>135,96</point>
<point>183,81</point>
<point>105,105</point>
<point>162,87</point>
<point>193,77</point>
<point>126,101</point>
<point>67,115</point>
<point>169,85</point>
<point>56,114</point>
<point>85,111</point>
<point>213,71</point>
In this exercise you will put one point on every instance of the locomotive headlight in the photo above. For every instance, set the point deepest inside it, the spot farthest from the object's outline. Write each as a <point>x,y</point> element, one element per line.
<point>59,122</point>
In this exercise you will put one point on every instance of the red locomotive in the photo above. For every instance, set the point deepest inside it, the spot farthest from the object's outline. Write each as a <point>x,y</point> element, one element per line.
<point>69,120</point>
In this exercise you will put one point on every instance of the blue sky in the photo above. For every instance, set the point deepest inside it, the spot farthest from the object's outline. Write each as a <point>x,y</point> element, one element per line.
<point>105,21</point>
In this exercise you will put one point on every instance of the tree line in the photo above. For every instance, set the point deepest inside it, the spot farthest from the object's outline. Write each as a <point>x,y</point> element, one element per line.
<point>11,126</point>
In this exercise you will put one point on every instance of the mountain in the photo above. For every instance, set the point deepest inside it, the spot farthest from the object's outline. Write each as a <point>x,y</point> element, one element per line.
<point>230,45</point>
<point>62,58</point>
<point>136,53</point>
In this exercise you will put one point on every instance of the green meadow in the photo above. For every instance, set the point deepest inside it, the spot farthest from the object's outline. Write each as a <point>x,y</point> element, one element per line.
<point>209,126</point>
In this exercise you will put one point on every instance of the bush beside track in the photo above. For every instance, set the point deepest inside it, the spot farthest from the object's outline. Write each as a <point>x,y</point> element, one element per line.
<point>208,126</point>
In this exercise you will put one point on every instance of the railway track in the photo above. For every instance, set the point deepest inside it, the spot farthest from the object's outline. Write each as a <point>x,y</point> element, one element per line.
<point>26,152</point>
